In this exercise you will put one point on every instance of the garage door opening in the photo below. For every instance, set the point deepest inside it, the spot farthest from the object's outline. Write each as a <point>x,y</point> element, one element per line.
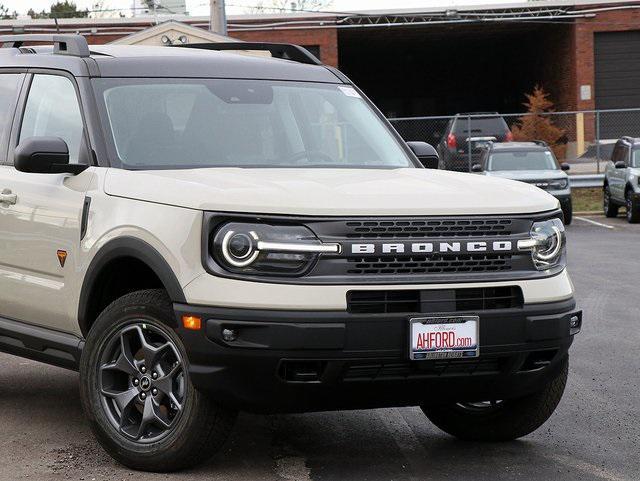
<point>442,70</point>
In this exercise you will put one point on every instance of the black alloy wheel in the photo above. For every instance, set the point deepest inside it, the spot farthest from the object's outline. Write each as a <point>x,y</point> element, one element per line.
<point>142,382</point>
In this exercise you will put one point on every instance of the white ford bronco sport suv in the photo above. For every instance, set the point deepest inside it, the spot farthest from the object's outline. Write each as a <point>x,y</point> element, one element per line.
<point>200,232</point>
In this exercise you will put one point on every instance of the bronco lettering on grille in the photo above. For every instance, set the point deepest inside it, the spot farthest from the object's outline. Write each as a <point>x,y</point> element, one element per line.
<point>418,248</point>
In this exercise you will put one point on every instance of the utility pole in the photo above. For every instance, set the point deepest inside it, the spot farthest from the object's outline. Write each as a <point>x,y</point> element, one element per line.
<point>217,17</point>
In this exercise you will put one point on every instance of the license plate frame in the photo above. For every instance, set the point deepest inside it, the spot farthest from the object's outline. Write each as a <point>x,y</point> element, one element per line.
<point>443,324</point>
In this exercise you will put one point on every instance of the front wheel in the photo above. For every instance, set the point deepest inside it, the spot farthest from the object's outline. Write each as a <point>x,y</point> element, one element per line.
<point>609,207</point>
<point>497,420</point>
<point>136,391</point>
<point>567,212</point>
<point>633,209</point>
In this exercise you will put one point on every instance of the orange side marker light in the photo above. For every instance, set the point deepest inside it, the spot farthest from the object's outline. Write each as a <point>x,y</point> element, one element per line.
<point>192,322</point>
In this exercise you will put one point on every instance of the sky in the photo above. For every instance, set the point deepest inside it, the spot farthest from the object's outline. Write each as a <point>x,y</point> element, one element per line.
<point>200,7</point>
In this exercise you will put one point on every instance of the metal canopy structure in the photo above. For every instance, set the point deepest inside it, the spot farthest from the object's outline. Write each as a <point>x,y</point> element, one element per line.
<point>560,12</point>
<point>453,15</point>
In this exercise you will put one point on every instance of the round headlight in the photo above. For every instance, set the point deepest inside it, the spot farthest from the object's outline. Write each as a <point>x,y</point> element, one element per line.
<point>549,243</point>
<point>239,249</point>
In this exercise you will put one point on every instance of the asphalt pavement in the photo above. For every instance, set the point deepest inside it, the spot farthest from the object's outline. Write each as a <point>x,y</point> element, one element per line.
<point>593,435</point>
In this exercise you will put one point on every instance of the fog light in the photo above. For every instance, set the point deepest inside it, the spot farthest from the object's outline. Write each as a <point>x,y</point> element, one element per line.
<point>575,324</point>
<point>229,335</point>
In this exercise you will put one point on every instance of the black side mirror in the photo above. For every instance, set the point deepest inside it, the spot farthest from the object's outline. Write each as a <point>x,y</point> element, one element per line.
<point>565,166</point>
<point>427,155</point>
<point>45,155</point>
<point>476,168</point>
<point>620,164</point>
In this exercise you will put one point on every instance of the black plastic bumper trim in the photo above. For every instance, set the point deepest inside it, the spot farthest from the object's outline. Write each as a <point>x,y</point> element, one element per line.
<point>293,361</point>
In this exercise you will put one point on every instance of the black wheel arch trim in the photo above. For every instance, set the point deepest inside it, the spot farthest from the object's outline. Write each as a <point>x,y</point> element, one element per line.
<point>126,247</point>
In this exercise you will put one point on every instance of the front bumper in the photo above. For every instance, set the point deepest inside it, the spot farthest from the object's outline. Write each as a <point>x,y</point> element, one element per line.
<point>294,361</point>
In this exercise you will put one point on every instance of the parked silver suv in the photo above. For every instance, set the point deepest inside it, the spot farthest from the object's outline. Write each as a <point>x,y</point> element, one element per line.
<point>530,162</point>
<point>621,180</point>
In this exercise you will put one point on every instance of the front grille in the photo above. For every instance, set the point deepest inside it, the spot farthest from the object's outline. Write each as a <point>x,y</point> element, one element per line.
<point>404,250</point>
<point>434,300</point>
<point>427,228</point>
<point>434,264</point>
<point>423,369</point>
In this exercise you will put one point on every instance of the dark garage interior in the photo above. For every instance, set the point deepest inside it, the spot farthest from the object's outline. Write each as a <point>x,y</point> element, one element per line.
<point>445,69</point>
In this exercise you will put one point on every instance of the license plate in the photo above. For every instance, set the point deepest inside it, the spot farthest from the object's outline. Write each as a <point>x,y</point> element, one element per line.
<point>480,145</point>
<point>444,337</point>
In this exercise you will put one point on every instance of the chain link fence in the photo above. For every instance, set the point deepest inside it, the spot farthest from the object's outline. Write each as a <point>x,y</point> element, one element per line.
<point>585,139</point>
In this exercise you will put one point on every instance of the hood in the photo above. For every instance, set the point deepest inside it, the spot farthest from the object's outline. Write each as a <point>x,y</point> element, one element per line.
<point>330,192</point>
<point>525,175</point>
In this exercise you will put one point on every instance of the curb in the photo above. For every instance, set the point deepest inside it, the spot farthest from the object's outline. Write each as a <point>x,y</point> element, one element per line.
<point>587,212</point>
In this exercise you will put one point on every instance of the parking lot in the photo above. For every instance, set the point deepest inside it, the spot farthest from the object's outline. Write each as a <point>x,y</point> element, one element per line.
<point>594,434</point>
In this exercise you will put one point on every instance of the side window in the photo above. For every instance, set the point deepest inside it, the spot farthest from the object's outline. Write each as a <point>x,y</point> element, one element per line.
<point>9,89</point>
<point>52,110</point>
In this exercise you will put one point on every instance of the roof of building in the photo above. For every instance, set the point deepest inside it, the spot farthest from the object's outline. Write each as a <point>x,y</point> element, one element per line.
<point>324,18</point>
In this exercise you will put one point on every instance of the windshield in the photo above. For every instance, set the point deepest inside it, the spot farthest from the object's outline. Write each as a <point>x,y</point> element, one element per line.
<point>522,160</point>
<point>191,123</point>
<point>635,158</point>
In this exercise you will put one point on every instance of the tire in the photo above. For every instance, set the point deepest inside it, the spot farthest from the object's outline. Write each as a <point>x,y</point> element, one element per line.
<point>502,421</point>
<point>608,205</point>
<point>148,418</point>
<point>633,209</point>
<point>567,212</point>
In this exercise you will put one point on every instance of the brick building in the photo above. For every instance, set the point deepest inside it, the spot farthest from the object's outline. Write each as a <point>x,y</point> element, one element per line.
<point>440,61</point>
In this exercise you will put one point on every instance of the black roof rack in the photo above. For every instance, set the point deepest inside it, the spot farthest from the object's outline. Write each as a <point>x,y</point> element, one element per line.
<point>74,45</point>
<point>285,51</point>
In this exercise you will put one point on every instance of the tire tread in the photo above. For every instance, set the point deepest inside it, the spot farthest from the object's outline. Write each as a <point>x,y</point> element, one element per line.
<point>204,434</point>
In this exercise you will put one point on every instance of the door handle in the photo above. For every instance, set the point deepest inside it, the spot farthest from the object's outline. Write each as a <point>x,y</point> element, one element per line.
<point>6,197</point>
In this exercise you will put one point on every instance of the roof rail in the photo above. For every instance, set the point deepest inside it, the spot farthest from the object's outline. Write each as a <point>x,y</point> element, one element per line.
<point>541,143</point>
<point>285,51</point>
<point>74,45</point>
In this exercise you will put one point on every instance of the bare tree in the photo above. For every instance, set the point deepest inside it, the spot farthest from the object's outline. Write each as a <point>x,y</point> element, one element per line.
<point>104,9</point>
<point>278,6</point>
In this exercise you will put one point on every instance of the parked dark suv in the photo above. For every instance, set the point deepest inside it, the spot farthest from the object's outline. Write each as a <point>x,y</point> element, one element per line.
<point>470,130</point>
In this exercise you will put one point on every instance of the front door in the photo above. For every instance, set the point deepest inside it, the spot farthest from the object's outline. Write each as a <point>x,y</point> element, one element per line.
<point>617,175</point>
<point>40,214</point>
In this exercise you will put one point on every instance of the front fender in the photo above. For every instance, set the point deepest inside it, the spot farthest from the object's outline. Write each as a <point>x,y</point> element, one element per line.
<point>127,247</point>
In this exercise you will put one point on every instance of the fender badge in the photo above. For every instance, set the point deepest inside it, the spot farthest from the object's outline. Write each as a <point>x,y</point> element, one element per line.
<point>62,257</point>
